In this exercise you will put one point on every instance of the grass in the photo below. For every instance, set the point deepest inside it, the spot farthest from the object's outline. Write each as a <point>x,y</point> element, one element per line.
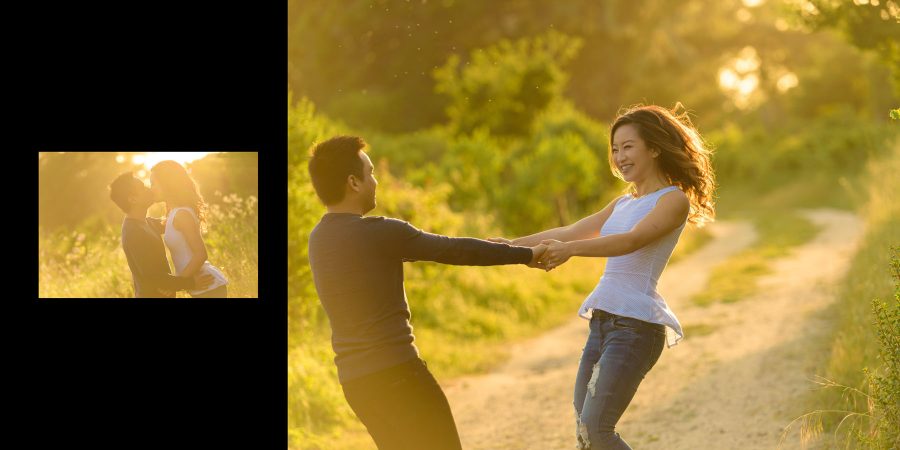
<point>736,278</point>
<point>87,261</point>
<point>467,331</point>
<point>692,239</point>
<point>853,343</point>
<point>700,329</point>
<point>772,205</point>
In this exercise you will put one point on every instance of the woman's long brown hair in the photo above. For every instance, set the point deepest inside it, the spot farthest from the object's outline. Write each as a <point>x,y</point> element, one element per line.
<point>179,188</point>
<point>684,157</point>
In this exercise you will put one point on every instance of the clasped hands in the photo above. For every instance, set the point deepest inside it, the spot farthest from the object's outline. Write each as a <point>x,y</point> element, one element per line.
<point>202,280</point>
<point>547,255</point>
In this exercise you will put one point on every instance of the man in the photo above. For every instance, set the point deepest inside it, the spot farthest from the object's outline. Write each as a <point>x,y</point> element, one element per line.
<point>143,245</point>
<point>357,266</point>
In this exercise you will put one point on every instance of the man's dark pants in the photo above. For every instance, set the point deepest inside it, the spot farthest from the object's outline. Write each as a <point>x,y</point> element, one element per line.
<point>403,408</point>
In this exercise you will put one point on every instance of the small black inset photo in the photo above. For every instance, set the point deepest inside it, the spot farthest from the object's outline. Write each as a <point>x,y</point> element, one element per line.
<point>148,224</point>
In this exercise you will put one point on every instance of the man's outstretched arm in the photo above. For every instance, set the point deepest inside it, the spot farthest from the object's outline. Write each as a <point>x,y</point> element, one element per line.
<point>413,244</point>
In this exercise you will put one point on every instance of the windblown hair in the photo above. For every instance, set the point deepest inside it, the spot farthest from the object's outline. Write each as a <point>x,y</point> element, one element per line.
<point>179,188</point>
<point>684,157</point>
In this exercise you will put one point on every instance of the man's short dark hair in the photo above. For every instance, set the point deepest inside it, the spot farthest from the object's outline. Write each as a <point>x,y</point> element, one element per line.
<point>331,163</point>
<point>121,189</point>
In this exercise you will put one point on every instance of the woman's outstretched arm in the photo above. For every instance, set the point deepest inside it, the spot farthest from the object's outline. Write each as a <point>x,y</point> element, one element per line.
<point>186,224</point>
<point>669,213</point>
<point>586,228</point>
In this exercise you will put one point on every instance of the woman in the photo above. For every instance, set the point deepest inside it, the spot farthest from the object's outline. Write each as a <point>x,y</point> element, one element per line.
<point>185,214</point>
<point>671,181</point>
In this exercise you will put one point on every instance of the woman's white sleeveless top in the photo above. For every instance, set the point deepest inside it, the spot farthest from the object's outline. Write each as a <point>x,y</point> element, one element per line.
<point>182,254</point>
<point>628,284</point>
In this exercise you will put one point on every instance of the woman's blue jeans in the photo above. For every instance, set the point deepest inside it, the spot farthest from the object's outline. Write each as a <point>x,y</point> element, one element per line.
<point>619,352</point>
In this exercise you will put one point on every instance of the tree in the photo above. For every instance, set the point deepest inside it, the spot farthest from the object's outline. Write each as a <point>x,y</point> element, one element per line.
<point>869,25</point>
<point>505,86</point>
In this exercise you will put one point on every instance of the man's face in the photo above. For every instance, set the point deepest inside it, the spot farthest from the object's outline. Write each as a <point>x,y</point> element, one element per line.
<point>141,195</point>
<point>369,183</point>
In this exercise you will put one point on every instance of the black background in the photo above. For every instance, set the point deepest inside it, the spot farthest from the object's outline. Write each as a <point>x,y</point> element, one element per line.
<point>129,373</point>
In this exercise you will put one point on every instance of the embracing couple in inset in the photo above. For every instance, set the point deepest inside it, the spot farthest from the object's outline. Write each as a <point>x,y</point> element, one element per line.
<point>145,239</point>
<point>357,266</point>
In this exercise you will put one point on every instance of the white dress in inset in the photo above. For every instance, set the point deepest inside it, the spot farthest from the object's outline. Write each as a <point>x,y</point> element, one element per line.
<point>182,254</point>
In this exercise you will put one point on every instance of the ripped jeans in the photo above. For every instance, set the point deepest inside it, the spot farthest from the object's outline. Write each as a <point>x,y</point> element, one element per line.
<point>618,353</point>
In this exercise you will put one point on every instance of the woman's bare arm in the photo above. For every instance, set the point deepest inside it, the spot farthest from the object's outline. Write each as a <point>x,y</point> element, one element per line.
<point>669,213</point>
<point>186,224</point>
<point>586,228</point>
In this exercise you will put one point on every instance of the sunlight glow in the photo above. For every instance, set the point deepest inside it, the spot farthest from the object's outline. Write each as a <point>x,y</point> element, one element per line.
<point>808,8</point>
<point>748,84</point>
<point>728,79</point>
<point>747,61</point>
<point>150,159</point>
<point>787,82</point>
<point>740,77</point>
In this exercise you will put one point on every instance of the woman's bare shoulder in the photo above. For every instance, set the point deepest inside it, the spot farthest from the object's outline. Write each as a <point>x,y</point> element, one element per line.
<point>184,219</point>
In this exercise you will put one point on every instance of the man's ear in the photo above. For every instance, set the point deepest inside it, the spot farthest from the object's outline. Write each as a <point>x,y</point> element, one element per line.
<point>353,182</point>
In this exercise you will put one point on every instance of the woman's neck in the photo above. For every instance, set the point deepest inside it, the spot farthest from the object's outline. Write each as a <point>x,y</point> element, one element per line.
<point>648,186</point>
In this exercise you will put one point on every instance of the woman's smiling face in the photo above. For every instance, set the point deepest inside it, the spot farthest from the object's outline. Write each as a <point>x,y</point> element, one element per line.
<point>630,154</point>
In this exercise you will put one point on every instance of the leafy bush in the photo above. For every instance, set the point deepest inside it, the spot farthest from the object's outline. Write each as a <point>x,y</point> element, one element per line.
<point>837,142</point>
<point>504,86</point>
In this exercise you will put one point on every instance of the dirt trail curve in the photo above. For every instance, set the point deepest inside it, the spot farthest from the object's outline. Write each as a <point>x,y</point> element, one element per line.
<point>734,387</point>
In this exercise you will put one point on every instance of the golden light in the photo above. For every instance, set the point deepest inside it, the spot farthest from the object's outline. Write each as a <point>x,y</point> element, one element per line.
<point>728,79</point>
<point>787,81</point>
<point>808,8</point>
<point>740,77</point>
<point>747,60</point>
<point>753,3</point>
<point>747,85</point>
<point>149,159</point>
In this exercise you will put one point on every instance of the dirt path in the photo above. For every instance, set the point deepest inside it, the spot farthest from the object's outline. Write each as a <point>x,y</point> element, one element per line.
<point>734,387</point>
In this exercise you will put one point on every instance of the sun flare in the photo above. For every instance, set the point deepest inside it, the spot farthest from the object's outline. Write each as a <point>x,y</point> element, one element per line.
<point>149,159</point>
